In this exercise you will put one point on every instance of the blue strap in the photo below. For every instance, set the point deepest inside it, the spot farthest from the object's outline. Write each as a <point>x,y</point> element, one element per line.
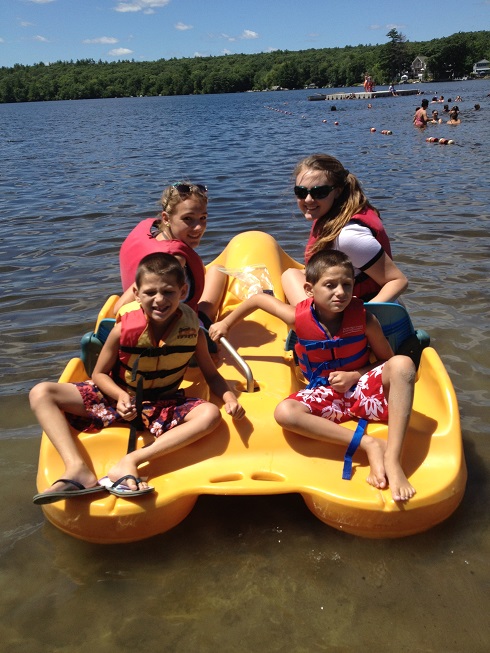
<point>352,448</point>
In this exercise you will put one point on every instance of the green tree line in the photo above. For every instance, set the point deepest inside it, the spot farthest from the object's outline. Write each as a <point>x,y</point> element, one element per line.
<point>447,58</point>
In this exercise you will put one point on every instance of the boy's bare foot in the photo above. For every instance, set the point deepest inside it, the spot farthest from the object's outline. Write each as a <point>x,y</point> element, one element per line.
<point>375,451</point>
<point>401,488</point>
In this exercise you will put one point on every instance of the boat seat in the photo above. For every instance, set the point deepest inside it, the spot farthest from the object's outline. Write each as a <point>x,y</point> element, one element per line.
<point>397,328</point>
<point>91,343</point>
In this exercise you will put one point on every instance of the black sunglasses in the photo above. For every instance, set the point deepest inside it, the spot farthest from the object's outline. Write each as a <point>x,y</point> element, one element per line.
<point>188,188</point>
<point>317,192</point>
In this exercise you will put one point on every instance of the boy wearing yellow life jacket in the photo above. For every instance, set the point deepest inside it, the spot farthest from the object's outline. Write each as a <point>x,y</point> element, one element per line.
<point>137,376</point>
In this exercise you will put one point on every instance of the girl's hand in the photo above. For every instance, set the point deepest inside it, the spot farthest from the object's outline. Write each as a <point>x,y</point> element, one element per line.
<point>234,409</point>
<point>218,330</point>
<point>126,407</point>
<point>343,381</point>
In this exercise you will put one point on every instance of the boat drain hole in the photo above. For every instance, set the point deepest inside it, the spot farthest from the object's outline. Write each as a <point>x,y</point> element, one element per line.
<point>227,478</point>
<point>267,476</point>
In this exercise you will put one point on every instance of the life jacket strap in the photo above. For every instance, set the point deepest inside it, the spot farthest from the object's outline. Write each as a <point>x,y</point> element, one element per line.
<point>137,422</point>
<point>352,448</point>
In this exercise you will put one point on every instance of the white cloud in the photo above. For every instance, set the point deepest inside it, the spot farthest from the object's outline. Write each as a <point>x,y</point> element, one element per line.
<point>41,39</point>
<point>2,40</point>
<point>118,52</point>
<point>106,40</point>
<point>183,27</point>
<point>41,2</point>
<point>25,23</point>
<point>125,7</point>
<point>226,51</point>
<point>246,34</point>
<point>146,6</point>
<point>249,34</point>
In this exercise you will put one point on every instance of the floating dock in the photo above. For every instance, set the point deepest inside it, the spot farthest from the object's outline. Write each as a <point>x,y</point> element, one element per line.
<point>365,96</point>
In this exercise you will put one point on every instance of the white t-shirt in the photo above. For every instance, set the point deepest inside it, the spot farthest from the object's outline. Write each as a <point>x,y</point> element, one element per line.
<point>358,242</point>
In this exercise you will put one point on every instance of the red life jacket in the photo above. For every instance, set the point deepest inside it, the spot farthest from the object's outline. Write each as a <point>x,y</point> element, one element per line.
<point>140,242</point>
<point>318,354</point>
<point>364,287</point>
<point>159,367</point>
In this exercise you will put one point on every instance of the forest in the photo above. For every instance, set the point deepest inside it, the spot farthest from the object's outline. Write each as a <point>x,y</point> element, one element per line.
<point>447,58</point>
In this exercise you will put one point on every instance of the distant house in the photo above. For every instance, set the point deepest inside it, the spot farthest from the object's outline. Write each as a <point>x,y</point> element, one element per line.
<point>419,67</point>
<point>481,68</point>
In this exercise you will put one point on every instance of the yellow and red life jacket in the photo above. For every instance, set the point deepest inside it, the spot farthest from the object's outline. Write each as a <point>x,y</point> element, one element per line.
<point>159,367</point>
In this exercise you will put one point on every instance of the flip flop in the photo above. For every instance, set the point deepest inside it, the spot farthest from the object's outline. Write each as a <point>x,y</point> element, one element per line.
<point>120,489</point>
<point>78,490</point>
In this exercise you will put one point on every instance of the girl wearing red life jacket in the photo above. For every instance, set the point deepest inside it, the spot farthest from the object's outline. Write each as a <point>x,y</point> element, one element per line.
<point>177,231</point>
<point>331,198</point>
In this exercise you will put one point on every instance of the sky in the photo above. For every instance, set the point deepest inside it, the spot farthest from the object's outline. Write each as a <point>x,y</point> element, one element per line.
<point>33,31</point>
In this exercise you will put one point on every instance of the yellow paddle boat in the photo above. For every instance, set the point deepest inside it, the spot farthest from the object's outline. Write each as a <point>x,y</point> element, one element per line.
<point>255,455</point>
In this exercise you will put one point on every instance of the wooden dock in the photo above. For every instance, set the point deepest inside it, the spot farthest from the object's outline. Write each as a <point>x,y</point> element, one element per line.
<point>371,95</point>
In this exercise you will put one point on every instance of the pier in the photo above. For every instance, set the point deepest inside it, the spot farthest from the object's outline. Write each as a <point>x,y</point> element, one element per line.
<point>363,95</point>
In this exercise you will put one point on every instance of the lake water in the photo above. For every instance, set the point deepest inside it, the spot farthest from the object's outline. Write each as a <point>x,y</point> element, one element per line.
<point>252,573</point>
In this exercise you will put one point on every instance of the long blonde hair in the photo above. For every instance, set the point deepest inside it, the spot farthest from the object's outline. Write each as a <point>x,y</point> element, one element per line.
<point>350,201</point>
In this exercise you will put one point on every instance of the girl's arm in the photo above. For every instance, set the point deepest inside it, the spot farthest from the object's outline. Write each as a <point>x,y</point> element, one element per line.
<point>293,284</point>
<point>266,302</point>
<point>125,298</point>
<point>387,275</point>
<point>102,379</point>
<point>216,382</point>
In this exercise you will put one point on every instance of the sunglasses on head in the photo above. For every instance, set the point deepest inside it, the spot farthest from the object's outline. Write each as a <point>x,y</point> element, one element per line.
<point>188,188</point>
<point>317,192</point>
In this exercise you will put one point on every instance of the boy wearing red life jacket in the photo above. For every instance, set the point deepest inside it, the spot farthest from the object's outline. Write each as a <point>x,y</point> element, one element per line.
<point>336,339</point>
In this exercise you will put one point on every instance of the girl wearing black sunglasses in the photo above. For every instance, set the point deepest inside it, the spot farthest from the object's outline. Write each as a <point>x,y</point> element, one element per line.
<point>342,218</point>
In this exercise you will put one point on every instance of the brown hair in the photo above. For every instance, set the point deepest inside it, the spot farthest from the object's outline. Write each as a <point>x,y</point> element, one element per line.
<point>171,197</point>
<point>320,262</point>
<point>350,201</point>
<point>161,264</point>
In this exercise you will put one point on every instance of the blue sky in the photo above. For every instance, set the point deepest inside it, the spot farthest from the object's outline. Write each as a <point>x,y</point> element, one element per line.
<point>32,31</point>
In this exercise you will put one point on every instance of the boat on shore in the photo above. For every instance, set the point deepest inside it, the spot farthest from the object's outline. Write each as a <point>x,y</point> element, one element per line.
<point>255,456</point>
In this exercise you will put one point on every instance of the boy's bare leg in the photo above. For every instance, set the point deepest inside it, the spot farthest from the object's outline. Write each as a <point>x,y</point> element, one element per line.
<point>296,417</point>
<point>398,384</point>
<point>201,420</point>
<point>48,403</point>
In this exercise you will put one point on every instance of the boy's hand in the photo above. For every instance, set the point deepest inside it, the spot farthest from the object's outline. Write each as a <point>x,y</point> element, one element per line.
<point>234,409</point>
<point>218,330</point>
<point>126,408</point>
<point>343,381</point>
